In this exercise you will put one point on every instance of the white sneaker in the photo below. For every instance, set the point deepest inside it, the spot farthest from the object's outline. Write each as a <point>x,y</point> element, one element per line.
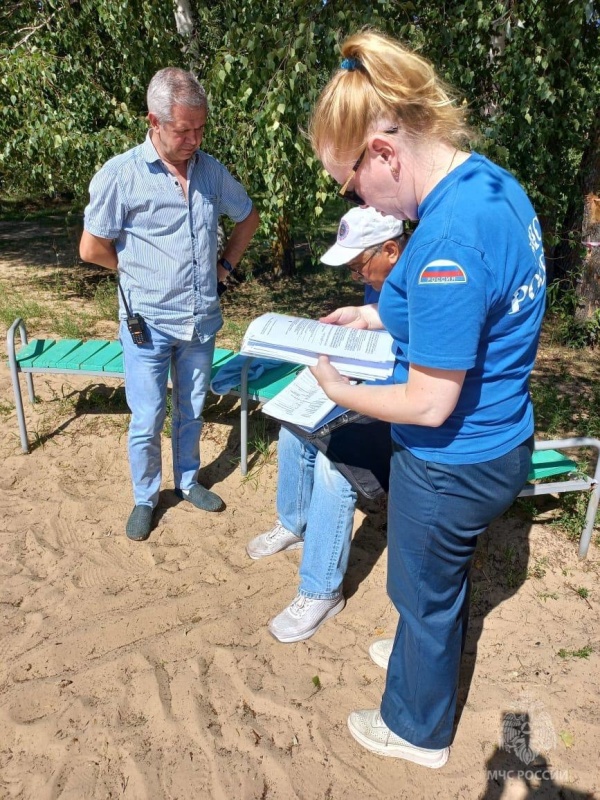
<point>370,730</point>
<point>303,617</point>
<point>380,652</point>
<point>273,541</point>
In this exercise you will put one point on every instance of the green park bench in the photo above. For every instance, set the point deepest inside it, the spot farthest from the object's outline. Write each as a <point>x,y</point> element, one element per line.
<point>103,358</point>
<point>98,357</point>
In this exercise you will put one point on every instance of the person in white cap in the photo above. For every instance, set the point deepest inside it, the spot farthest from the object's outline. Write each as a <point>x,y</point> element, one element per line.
<point>315,502</point>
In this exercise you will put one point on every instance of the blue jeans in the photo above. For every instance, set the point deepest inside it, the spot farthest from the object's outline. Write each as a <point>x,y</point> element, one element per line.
<point>146,378</point>
<point>435,514</point>
<point>315,502</point>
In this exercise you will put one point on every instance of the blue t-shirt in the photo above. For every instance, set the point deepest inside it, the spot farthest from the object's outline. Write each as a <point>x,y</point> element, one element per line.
<point>469,294</point>
<point>371,295</point>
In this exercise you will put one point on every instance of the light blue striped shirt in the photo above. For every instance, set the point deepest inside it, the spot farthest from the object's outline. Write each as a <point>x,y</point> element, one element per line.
<point>166,245</point>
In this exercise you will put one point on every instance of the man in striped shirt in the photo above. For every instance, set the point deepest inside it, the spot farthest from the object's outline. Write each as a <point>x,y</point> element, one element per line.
<point>153,216</point>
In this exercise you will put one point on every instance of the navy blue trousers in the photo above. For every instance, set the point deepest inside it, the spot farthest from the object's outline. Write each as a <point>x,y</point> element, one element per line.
<point>435,514</point>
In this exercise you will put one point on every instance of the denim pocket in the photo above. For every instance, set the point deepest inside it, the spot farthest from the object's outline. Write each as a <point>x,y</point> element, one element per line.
<point>439,475</point>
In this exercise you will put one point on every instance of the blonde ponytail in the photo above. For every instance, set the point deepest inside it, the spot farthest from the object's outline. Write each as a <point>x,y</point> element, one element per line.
<point>382,83</point>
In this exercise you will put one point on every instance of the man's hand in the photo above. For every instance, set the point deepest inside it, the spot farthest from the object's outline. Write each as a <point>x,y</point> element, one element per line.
<point>361,317</point>
<point>238,241</point>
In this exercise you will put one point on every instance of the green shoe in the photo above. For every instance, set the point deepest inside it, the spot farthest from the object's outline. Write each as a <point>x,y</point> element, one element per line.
<point>201,498</point>
<point>139,523</point>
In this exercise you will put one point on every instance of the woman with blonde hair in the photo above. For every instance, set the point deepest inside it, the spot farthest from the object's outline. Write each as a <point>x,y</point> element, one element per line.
<point>464,305</point>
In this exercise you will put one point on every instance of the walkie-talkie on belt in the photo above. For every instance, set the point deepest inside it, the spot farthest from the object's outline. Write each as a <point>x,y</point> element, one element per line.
<point>135,322</point>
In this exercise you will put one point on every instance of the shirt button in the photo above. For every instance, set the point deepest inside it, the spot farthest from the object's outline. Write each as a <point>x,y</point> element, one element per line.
<point>195,262</point>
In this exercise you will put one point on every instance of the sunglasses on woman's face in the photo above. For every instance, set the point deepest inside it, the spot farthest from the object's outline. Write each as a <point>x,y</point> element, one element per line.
<point>349,194</point>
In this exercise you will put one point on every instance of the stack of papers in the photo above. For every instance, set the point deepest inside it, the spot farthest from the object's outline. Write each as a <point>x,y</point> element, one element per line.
<point>365,355</point>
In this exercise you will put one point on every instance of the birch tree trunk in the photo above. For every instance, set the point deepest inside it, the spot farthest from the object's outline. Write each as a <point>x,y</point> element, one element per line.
<point>184,18</point>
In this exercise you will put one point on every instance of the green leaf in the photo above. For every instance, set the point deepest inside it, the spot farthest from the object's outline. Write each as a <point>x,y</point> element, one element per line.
<point>567,738</point>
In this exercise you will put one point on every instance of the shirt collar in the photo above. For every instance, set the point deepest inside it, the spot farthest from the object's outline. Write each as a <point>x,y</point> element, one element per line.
<point>150,152</point>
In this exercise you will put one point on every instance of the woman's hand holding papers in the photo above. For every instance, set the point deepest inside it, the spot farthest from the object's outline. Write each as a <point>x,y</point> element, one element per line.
<point>330,380</point>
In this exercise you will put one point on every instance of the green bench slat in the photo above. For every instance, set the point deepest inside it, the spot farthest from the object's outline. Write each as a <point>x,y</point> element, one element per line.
<point>545,463</point>
<point>93,355</point>
<point>99,360</point>
<point>85,356</point>
<point>34,349</point>
<point>52,357</point>
<point>116,364</point>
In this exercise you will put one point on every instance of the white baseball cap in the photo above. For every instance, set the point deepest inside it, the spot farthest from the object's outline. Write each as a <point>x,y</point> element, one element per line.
<point>358,230</point>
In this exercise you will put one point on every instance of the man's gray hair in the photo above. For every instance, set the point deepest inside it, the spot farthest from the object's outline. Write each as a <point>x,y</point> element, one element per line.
<point>173,86</point>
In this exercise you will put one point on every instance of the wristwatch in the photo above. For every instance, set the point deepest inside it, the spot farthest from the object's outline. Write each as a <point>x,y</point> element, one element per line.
<point>222,285</point>
<point>222,262</point>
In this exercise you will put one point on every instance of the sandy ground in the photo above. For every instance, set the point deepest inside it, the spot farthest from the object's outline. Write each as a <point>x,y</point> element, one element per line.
<point>145,670</point>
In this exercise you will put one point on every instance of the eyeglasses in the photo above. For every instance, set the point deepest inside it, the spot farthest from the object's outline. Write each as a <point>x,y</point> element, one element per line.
<point>349,194</point>
<point>359,272</point>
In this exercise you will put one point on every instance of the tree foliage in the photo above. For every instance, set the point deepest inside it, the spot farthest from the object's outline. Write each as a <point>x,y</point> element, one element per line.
<point>531,73</point>
<point>264,75</point>
<point>73,75</point>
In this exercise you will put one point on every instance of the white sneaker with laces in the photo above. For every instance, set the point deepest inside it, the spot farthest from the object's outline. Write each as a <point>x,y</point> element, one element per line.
<point>370,730</point>
<point>380,651</point>
<point>273,541</point>
<point>303,617</point>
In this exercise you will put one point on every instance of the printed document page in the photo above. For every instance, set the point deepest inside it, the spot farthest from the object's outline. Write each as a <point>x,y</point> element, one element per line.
<point>303,402</point>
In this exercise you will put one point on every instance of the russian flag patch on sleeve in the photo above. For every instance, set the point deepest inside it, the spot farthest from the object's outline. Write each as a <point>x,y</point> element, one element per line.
<point>442,271</point>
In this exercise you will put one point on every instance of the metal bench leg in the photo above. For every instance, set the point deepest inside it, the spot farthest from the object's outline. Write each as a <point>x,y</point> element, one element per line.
<point>14,373</point>
<point>592,509</point>
<point>244,419</point>
<point>594,501</point>
<point>590,518</point>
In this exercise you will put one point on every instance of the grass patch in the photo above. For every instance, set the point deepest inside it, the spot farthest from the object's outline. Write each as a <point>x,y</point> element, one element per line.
<point>262,450</point>
<point>105,299</point>
<point>573,510</point>
<point>14,304</point>
<point>584,652</point>
<point>21,208</point>
<point>538,570</point>
<point>70,326</point>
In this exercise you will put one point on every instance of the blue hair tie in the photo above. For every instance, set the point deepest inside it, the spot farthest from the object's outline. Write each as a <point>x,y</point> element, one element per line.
<point>350,64</point>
